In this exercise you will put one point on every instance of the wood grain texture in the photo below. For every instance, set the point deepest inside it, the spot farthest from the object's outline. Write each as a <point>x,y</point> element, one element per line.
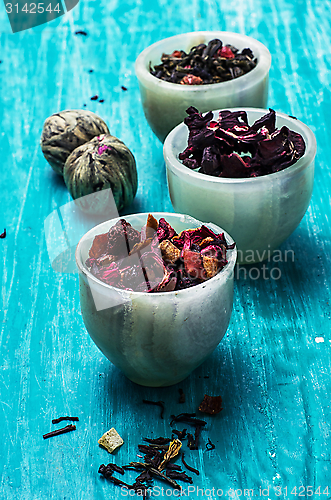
<point>273,376</point>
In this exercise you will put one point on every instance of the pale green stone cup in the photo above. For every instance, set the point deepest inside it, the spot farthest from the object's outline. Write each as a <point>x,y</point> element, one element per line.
<point>165,103</point>
<point>156,339</point>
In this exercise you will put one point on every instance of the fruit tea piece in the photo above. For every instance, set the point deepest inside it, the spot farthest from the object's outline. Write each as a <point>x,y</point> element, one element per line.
<point>156,259</point>
<point>211,404</point>
<point>229,147</point>
<point>99,246</point>
<point>210,265</point>
<point>111,440</point>
<point>170,253</point>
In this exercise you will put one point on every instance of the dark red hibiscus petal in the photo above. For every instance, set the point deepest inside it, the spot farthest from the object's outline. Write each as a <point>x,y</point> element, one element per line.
<point>168,283</point>
<point>109,274</point>
<point>165,231</point>
<point>268,121</point>
<point>233,166</point>
<point>211,160</point>
<point>217,251</point>
<point>229,147</point>
<point>229,119</point>
<point>186,238</point>
<point>299,143</point>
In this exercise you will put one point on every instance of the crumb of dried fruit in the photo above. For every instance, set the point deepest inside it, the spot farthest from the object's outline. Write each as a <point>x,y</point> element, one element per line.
<point>121,238</point>
<point>99,246</point>
<point>211,404</point>
<point>170,253</point>
<point>111,440</point>
<point>210,265</point>
<point>191,80</point>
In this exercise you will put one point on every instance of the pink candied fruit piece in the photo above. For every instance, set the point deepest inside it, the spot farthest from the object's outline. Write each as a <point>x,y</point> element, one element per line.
<point>191,80</point>
<point>225,52</point>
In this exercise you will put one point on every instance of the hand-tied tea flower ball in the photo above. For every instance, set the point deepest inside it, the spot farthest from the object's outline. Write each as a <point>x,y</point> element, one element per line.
<point>65,131</point>
<point>77,145</point>
<point>105,162</point>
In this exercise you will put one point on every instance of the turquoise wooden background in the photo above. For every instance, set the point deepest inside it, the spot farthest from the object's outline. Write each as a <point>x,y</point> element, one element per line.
<point>272,368</point>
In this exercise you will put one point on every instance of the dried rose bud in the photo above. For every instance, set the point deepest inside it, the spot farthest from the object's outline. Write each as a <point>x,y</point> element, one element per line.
<point>191,80</point>
<point>65,131</point>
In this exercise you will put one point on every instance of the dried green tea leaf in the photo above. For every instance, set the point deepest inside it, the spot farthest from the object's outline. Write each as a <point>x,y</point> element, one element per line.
<point>111,440</point>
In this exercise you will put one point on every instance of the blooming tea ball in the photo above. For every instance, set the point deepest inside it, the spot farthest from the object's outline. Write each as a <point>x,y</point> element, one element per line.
<point>104,163</point>
<point>65,131</point>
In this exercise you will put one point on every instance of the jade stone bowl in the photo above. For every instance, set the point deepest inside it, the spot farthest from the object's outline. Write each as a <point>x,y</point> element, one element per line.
<point>258,212</point>
<point>156,339</point>
<point>165,103</point>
